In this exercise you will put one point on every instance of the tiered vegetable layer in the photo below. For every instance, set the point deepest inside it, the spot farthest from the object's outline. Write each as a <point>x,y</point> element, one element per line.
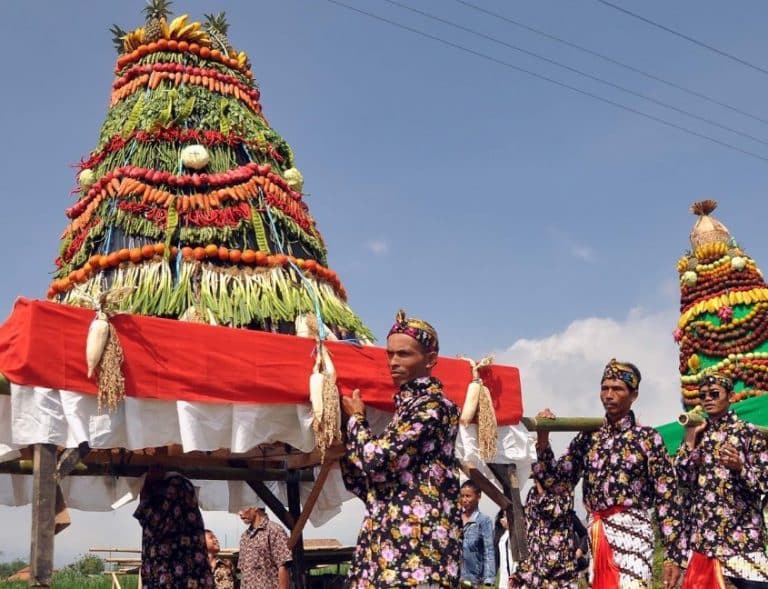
<point>724,319</point>
<point>192,200</point>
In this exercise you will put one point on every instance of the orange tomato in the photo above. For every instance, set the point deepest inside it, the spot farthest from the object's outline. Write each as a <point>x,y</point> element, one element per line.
<point>260,258</point>
<point>212,250</point>
<point>113,259</point>
<point>148,251</point>
<point>187,252</point>
<point>223,252</point>
<point>124,254</point>
<point>235,256</point>
<point>248,257</point>
<point>135,255</point>
<point>183,46</point>
<point>199,253</point>
<point>159,248</point>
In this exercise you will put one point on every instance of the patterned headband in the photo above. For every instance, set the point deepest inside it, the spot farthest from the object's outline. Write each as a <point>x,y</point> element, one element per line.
<point>419,330</point>
<point>624,372</point>
<point>717,378</point>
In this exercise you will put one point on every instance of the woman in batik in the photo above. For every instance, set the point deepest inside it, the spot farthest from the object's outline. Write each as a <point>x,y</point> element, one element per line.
<point>173,551</point>
<point>554,547</point>
<point>724,462</point>
<point>407,477</point>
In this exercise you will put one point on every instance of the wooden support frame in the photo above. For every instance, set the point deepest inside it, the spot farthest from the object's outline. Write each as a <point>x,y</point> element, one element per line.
<point>43,515</point>
<point>211,473</point>
<point>309,504</point>
<point>294,506</point>
<point>507,476</point>
<point>274,504</point>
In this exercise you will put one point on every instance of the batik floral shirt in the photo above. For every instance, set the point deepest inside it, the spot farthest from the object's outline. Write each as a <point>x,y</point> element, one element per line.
<point>263,550</point>
<point>622,465</point>
<point>223,576</point>
<point>552,540</point>
<point>408,479</point>
<point>173,554</point>
<point>725,506</point>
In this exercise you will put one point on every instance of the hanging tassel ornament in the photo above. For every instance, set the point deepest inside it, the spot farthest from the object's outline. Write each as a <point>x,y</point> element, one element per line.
<point>478,401</point>
<point>103,353</point>
<point>324,397</point>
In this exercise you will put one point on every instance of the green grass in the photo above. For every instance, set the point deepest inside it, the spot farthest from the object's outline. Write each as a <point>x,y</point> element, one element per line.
<point>69,580</point>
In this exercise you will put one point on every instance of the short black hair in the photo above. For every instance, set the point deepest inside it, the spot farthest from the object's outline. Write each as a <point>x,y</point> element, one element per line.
<point>470,484</point>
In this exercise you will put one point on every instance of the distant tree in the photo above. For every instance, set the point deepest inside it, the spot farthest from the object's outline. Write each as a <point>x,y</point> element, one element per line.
<point>9,568</point>
<point>87,564</point>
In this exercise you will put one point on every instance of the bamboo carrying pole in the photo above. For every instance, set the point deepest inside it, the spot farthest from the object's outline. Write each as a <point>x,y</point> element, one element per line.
<point>696,417</point>
<point>562,424</point>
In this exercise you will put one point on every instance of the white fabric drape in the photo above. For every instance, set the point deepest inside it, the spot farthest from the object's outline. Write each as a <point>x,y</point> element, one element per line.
<point>32,415</point>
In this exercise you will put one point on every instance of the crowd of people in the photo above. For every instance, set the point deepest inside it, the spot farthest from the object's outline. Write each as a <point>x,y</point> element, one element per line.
<point>423,529</point>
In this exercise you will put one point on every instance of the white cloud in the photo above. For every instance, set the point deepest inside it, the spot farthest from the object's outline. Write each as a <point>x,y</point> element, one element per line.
<point>576,249</point>
<point>562,371</point>
<point>583,252</point>
<point>378,246</point>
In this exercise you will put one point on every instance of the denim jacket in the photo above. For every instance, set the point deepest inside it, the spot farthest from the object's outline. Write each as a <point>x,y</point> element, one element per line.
<point>478,562</point>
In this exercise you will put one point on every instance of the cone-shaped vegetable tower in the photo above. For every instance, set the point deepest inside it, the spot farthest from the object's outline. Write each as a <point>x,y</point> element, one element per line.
<point>724,311</point>
<point>191,199</point>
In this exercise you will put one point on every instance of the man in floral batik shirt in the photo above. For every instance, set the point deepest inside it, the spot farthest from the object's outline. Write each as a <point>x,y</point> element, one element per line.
<point>626,472</point>
<point>407,477</point>
<point>724,462</point>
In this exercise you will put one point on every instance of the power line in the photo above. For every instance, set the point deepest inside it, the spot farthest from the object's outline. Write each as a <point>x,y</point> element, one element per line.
<point>550,80</point>
<point>578,71</point>
<point>684,36</point>
<point>610,59</point>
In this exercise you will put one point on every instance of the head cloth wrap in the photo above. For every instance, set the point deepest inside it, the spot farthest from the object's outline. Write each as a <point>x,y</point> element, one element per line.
<point>718,378</point>
<point>623,371</point>
<point>419,330</point>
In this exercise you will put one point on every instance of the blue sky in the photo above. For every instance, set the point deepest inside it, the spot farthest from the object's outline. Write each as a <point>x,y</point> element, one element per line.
<point>517,216</point>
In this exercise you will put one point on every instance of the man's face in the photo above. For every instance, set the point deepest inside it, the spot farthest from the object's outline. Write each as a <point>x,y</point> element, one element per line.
<point>616,397</point>
<point>250,515</point>
<point>212,543</point>
<point>469,499</point>
<point>714,399</point>
<point>407,359</point>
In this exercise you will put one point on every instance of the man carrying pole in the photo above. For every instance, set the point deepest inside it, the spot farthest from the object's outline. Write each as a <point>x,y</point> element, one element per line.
<point>626,472</point>
<point>724,462</point>
<point>408,477</point>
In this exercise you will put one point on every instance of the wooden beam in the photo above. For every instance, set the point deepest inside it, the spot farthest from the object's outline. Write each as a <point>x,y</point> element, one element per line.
<point>313,458</point>
<point>43,515</point>
<point>486,486</point>
<point>507,476</point>
<point>70,458</point>
<point>212,473</point>
<point>309,504</point>
<point>294,506</point>
<point>274,504</point>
